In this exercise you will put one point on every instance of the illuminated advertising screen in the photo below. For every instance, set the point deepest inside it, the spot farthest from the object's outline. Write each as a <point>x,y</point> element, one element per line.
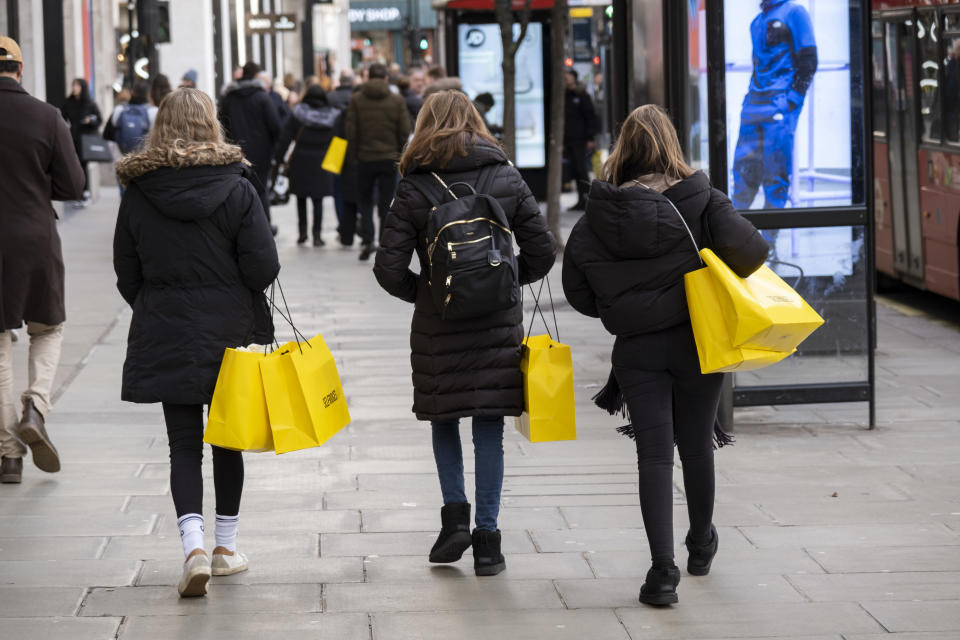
<point>480,56</point>
<point>789,122</point>
<point>788,103</point>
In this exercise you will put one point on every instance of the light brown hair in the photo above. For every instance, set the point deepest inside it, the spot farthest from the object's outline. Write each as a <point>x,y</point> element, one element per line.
<point>647,144</point>
<point>448,123</point>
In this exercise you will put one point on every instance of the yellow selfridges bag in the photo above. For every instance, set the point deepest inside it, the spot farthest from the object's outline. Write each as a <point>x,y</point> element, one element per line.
<point>727,342</point>
<point>761,311</point>
<point>238,412</point>
<point>548,393</point>
<point>304,397</point>
<point>336,152</point>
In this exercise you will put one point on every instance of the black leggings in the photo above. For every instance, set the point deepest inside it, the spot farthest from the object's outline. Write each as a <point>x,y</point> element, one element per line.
<point>668,398</point>
<point>302,216</point>
<point>185,433</point>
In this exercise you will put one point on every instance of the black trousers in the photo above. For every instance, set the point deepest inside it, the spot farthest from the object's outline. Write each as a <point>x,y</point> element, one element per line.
<point>185,433</point>
<point>670,400</point>
<point>302,216</point>
<point>378,177</point>
<point>575,151</point>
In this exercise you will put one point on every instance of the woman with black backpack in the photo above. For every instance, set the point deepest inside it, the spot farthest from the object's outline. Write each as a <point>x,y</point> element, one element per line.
<point>624,263</point>
<point>467,321</point>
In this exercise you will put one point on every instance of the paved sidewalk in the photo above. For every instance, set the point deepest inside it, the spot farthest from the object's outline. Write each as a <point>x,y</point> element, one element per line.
<point>826,530</point>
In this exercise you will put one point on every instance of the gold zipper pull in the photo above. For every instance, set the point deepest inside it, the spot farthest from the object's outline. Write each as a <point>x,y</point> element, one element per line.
<point>449,280</point>
<point>446,300</point>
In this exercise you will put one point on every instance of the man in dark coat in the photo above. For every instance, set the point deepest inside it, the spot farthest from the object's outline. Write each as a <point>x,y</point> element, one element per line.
<point>580,126</point>
<point>339,98</point>
<point>39,164</point>
<point>377,128</point>
<point>250,119</point>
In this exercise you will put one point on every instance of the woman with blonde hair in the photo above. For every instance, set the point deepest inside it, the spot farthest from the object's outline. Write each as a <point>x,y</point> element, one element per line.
<point>468,366</point>
<point>624,263</point>
<point>193,253</point>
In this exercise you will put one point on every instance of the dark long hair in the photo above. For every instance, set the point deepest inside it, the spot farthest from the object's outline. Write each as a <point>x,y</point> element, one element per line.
<point>84,90</point>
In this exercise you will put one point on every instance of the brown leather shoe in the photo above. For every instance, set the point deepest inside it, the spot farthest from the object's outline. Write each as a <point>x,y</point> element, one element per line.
<point>31,432</point>
<point>11,470</point>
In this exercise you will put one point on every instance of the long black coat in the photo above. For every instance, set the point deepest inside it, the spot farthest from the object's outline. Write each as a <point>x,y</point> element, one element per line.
<point>190,298</point>
<point>251,120</point>
<point>76,110</point>
<point>626,256</point>
<point>463,367</point>
<point>39,164</point>
<point>313,127</point>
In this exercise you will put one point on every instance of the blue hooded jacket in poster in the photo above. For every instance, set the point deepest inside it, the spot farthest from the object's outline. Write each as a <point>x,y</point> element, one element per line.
<point>784,62</point>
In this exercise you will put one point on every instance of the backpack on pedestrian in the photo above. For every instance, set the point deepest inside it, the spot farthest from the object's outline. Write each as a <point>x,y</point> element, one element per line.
<point>473,268</point>
<point>133,123</point>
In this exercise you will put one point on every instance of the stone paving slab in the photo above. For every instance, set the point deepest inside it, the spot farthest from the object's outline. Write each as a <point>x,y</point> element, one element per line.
<point>443,595</point>
<point>385,520</point>
<point>36,602</point>
<point>248,626</point>
<point>68,573</point>
<point>403,543</point>
<point>634,564</point>
<point>515,625</point>
<point>883,559</point>
<point>521,566</point>
<point>896,617</point>
<point>48,548</point>
<point>861,587</point>
<point>224,599</point>
<point>61,628</point>
<point>265,570</point>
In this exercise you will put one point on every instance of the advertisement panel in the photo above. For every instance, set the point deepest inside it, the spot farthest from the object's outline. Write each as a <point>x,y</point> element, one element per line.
<point>480,54</point>
<point>788,103</point>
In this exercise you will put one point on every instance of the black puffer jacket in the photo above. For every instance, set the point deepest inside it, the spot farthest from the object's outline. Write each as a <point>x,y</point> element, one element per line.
<point>251,120</point>
<point>625,258</point>
<point>466,367</point>
<point>313,126</point>
<point>190,298</point>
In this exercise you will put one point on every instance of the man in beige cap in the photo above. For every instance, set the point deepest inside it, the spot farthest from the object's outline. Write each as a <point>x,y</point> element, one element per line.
<point>39,164</point>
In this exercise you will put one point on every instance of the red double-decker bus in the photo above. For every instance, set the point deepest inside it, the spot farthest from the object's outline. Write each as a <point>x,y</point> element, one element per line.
<point>916,137</point>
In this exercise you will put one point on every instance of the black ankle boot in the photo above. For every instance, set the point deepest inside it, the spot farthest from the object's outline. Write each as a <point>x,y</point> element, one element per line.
<point>660,587</point>
<point>454,536</point>
<point>487,559</point>
<point>701,555</point>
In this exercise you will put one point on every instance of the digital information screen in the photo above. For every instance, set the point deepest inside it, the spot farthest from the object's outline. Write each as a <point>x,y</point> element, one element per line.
<point>480,55</point>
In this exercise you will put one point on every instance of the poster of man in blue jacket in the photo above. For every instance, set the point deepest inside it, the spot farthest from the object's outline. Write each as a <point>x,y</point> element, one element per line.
<point>784,63</point>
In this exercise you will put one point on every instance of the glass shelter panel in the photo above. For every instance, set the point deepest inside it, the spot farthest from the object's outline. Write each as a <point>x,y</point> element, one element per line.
<point>790,103</point>
<point>698,142</point>
<point>928,41</point>
<point>878,81</point>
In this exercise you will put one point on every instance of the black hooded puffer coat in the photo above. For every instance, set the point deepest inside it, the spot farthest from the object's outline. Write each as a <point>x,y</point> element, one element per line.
<point>625,258</point>
<point>190,298</point>
<point>313,125</point>
<point>463,367</point>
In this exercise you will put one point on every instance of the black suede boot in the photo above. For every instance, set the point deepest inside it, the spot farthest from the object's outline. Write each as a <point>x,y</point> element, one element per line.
<point>454,536</point>
<point>487,559</point>
<point>701,555</point>
<point>660,587</point>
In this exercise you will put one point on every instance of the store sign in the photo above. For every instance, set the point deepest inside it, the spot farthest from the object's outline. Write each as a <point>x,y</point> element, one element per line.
<point>376,16</point>
<point>271,23</point>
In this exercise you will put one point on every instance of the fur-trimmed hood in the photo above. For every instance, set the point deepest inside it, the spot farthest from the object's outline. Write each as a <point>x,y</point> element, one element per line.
<point>186,183</point>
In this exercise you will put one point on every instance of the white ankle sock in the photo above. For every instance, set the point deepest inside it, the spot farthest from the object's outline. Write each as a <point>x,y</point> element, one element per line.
<point>191,532</point>
<point>226,531</point>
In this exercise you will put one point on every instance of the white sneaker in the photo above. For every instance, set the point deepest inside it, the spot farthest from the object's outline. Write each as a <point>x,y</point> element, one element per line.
<point>228,564</point>
<point>196,574</point>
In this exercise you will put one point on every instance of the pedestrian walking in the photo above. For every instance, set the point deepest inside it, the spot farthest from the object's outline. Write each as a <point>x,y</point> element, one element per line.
<point>251,120</point>
<point>310,129</point>
<point>579,129</point>
<point>624,263</point>
<point>129,124</point>
<point>40,164</point>
<point>189,79</point>
<point>377,129</point>
<point>83,115</point>
<point>159,89</point>
<point>468,367</point>
<point>192,253</point>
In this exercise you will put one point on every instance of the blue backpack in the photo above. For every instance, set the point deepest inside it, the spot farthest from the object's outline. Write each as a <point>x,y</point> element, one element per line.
<point>132,126</point>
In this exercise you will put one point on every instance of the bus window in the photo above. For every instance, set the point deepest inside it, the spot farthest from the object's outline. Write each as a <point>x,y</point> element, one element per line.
<point>951,78</point>
<point>929,49</point>
<point>878,83</point>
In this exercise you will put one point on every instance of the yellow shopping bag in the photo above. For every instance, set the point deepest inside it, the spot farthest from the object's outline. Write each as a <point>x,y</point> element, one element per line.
<point>305,400</point>
<point>761,311</point>
<point>238,412</point>
<point>336,152</point>
<point>549,412</point>
<point>715,347</point>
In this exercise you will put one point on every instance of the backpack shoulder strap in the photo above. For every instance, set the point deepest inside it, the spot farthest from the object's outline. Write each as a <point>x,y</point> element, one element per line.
<point>426,185</point>
<point>485,179</point>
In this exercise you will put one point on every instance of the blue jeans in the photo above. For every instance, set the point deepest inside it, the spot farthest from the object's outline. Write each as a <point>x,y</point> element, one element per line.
<point>488,456</point>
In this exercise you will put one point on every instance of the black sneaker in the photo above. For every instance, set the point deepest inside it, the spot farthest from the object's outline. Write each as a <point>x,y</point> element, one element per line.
<point>660,587</point>
<point>701,555</point>
<point>454,536</point>
<point>487,559</point>
<point>318,242</point>
<point>367,251</point>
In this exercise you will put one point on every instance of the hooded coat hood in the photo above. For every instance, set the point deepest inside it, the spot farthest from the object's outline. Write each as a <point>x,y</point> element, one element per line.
<point>626,257</point>
<point>316,117</point>
<point>376,89</point>
<point>244,87</point>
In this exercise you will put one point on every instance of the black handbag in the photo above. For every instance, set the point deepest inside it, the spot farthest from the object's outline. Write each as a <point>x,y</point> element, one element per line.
<point>93,148</point>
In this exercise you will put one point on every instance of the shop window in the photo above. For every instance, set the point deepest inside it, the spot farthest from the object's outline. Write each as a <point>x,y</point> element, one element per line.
<point>928,44</point>
<point>878,82</point>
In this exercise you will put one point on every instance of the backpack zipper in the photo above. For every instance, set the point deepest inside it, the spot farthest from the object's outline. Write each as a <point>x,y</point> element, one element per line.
<point>433,245</point>
<point>451,245</point>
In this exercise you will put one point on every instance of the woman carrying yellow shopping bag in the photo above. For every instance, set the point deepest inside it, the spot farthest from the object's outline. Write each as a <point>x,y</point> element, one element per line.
<point>193,253</point>
<point>624,263</point>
